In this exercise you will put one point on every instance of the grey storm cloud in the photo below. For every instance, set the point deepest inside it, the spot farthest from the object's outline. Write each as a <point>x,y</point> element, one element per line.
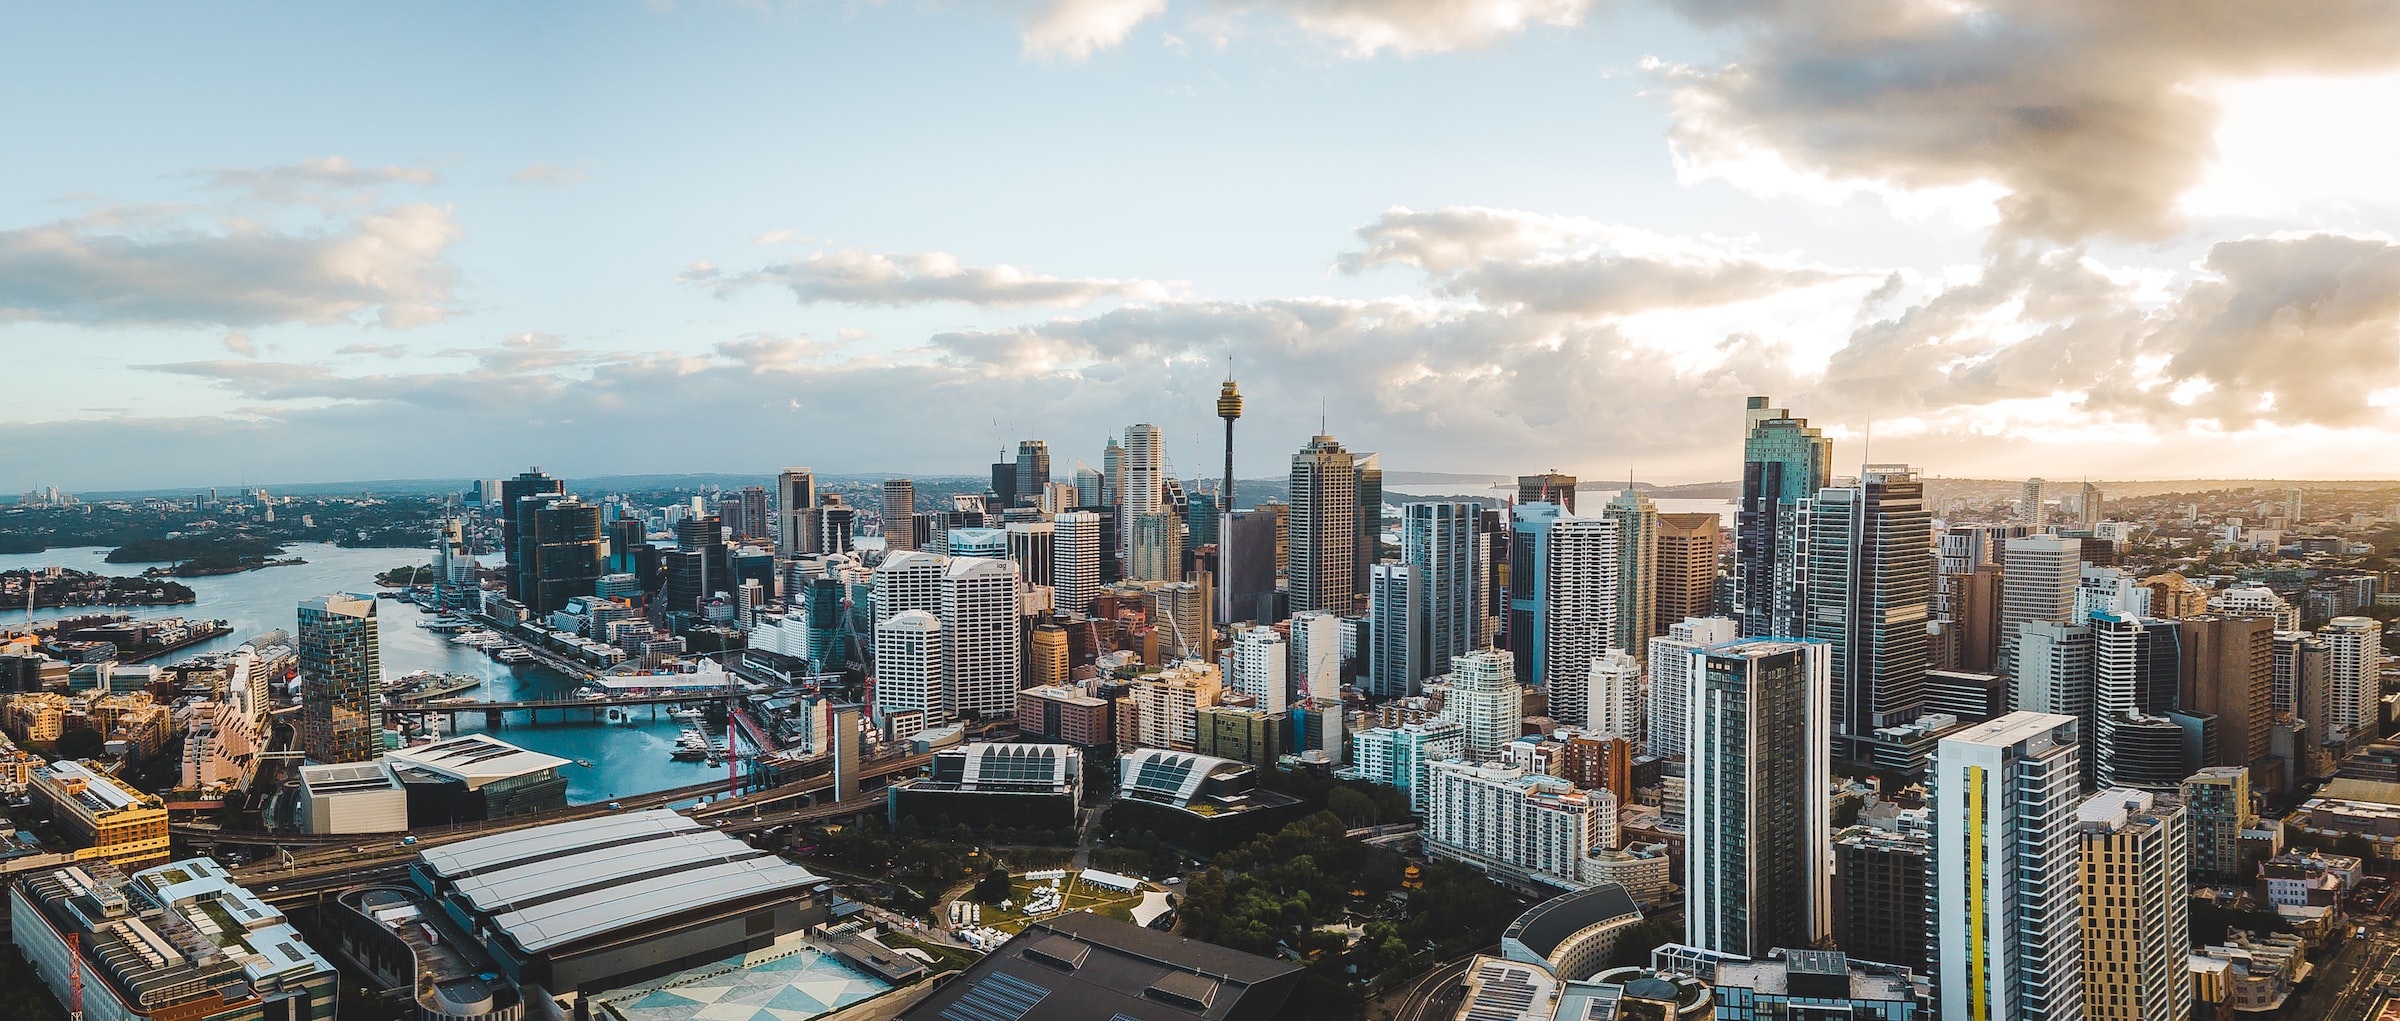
<point>2093,117</point>
<point>857,277</point>
<point>388,265</point>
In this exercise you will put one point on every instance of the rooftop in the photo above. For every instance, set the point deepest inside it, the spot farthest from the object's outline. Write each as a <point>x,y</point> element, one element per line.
<point>1083,966</point>
<point>1547,924</point>
<point>477,759</point>
<point>548,886</point>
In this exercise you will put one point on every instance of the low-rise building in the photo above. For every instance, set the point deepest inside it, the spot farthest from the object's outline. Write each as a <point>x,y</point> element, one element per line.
<point>1816,983</point>
<point>1068,713</point>
<point>995,784</point>
<point>352,797</point>
<point>1646,870</point>
<point>2250,974</point>
<point>1573,934</point>
<point>1521,828</point>
<point>1243,733</point>
<point>106,817</point>
<point>1200,800</point>
<point>178,941</point>
<point>475,777</point>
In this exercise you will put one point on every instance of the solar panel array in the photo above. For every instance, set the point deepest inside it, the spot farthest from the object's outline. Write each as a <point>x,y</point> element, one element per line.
<point>1505,995</point>
<point>999,997</point>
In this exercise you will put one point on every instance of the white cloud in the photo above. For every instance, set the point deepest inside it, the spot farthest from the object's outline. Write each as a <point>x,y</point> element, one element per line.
<point>547,175</point>
<point>1075,29</point>
<point>857,277</point>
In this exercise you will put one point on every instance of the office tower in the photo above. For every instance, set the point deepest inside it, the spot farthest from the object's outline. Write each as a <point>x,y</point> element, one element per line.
<point>2216,801</point>
<point>755,524</point>
<point>1670,696</point>
<point>561,551</point>
<point>1202,525</point>
<point>834,524</point>
<point>1637,569</point>
<point>1882,890</point>
<point>1547,487</point>
<point>1282,513</point>
<point>1317,654</point>
<point>1869,596</point>
<point>2136,667</point>
<point>1030,472</point>
<point>2256,601</point>
<point>1324,527</point>
<point>2172,595</point>
<point>1613,698</point>
<point>2136,908</point>
<point>1968,696</point>
<point>2055,676</point>
<point>795,502</point>
<point>1032,546</point>
<point>1142,468</point>
<point>1058,497</point>
<point>1156,553</point>
<point>2029,503</point>
<point>1486,701</point>
<point>1180,610</point>
<point>1246,568</point>
<point>2301,666</point>
<point>1784,463</point>
<point>1396,605</point>
<point>1492,527</point>
<point>909,581</point>
<point>981,658</point>
<point>1687,570</point>
<point>908,668</point>
<point>1262,668</point>
<point>899,514</point>
<point>1562,600</point>
<point>1758,766</point>
<point>2353,677</point>
<point>977,542</point>
<point>729,513</point>
<point>1229,407</point>
<point>1112,474</point>
<point>1003,492</point>
<point>2007,869</point>
<point>341,679</point>
<point>1524,828</point>
<point>1403,756</point>
<point>2037,583</point>
<point>1366,490</point>
<point>1075,561</point>
<point>697,568</point>
<point>1439,539</point>
<point>2087,507</point>
<point>1090,490</point>
<point>2229,673</point>
<point>530,482</point>
<point>1048,660</point>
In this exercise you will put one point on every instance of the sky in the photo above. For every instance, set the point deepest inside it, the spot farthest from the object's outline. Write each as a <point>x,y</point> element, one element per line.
<point>298,243</point>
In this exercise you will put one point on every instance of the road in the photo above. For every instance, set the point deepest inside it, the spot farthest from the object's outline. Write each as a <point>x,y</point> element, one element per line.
<point>2344,985</point>
<point>1436,996</point>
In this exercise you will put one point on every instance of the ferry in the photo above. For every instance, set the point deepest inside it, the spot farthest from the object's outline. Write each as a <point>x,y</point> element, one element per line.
<point>511,654</point>
<point>586,763</point>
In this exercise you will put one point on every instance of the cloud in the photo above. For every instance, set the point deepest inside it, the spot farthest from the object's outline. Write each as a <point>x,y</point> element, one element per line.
<point>310,180</point>
<point>1075,29</point>
<point>387,266</point>
<point>2081,119</point>
<point>1571,265</point>
<point>545,175</point>
<point>362,348</point>
<point>239,343</point>
<point>856,277</point>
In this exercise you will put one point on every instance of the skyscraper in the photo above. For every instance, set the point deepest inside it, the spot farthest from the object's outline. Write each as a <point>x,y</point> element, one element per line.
<point>1562,600</point>
<point>2037,582</point>
<point>1613,699</point>
<point>2087,508</point>
<point>561,551</point>
<point>795,502</point>
<point>1396,606</point>
<point>1246,567</point>
<point>1075,560</point>
<point>1366,494</point>
<point>909,581</point>
<point>1112,474</point>
<point>1486,701</point>
<point>341,679</point>
<point>908,668</point>
<point>1870,587</point>
<point>1687,569</point>
<point>1670,696</point>
<point>1324,528</point>
<point>697,567</point>
<point>2136,668</point>
<point>1784,463</point>
<point>2029,503</point>
<point>2007,869</point>
<point>1882,891</point>
<point>1439,540</point>
<point>899,514</point>
<point>1262,668</point>
<point>2136,907</point>
<point>1547,487</point>
<point>1156,553</point>
<point>2216,801</point>
<point>1758,763</point>
<point>2353,671</point>
<point>982,658</point>
<point>2054,676</point>
<point>1032,545</point>
<point>754,514</point>
<point>1637,569</point>
<point>530,482</point>
<point>1143,464</point>
<point>1033,470</point>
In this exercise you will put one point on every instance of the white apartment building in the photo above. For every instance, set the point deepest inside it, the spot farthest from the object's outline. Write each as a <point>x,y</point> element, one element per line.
<point>2007,868</point>
<point>1075,560</point>
<point>1612,695</point>
<point>1403,756</point>
<point>1261,668</point>
<point>1485,701</point>
<point>982,653</point>
<point>1519,827</point>
<point>908,668</point>
<point>1670,678</point>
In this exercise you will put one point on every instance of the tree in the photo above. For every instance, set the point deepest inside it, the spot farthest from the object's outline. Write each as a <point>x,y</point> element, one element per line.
<point>79,743</point>
<point>993,887</point>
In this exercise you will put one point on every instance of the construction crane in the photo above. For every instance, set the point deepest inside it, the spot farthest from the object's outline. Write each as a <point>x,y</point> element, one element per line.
<point>74,978</point>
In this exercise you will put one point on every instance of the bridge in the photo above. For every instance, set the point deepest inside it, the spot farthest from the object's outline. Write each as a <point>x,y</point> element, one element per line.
<point>492,710</point>
<point>334,863</point>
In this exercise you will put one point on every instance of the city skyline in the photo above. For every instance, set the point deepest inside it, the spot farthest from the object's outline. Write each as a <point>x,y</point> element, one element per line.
<point>1558,230</point>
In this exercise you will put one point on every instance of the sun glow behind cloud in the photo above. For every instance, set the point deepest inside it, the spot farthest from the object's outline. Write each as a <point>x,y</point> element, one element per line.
<point>2302,147</point>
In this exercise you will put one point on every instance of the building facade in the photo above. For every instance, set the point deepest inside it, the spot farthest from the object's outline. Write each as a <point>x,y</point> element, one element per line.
<point>2007,869</point>
<point>1758,758</point>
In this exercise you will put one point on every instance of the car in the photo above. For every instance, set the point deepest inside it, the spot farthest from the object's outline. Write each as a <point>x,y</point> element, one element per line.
<point>272,889</point>
<point>614,805</point>
<point>408,841</point>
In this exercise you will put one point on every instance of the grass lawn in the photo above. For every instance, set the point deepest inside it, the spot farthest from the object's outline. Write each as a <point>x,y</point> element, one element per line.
<point>1080,896</point>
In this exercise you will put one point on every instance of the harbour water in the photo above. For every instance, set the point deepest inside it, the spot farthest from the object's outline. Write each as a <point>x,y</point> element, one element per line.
<point>625,760</point>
